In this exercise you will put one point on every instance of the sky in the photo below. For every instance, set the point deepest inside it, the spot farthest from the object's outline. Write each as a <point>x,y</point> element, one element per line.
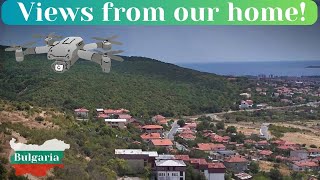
<point>191,44</point>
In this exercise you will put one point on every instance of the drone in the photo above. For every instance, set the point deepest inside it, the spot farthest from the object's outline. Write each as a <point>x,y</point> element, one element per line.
<point>66,51</point>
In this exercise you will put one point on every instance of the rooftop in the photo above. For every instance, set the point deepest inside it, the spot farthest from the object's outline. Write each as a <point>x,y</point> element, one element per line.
<point>170,162</point>
<point>135,152</point>
<point>150,136</point>
<point>152,127</point>
<point>162,142</point>
<point>115,120</point>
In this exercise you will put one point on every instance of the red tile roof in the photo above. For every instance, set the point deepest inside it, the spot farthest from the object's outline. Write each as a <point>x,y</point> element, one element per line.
<point>158,117</point>
<point>147,136</point>
<point>264,142</point>
<point>187,136</point>
<point>81,110</point>
<point>306,164</point>
<point>216,166</point>
<point>152,127</point>
<point>182,157</point>
<point>210,146</point>
<point>265,152</point>
<point>314,150</point>
<point>235,159</point>
<point>161,142</point>
<point>198,161</point>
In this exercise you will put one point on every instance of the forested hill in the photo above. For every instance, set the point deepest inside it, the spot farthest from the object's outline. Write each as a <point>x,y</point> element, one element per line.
<point>142,85</point>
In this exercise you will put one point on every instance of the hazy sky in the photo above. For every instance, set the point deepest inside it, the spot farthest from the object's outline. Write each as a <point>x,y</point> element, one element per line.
<point>178,44</point>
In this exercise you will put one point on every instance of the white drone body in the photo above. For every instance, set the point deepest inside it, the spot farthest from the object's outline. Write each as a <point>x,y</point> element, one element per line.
<point>68,50</point>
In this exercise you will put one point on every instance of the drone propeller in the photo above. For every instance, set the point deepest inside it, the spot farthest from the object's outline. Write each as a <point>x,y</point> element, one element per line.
<point>111,54</point>
<point>15,47</point>
<point>51,35</point>
<point>110,39</point>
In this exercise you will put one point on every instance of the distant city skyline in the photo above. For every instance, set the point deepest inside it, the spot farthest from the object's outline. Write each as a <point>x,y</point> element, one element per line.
<point>192,44</point>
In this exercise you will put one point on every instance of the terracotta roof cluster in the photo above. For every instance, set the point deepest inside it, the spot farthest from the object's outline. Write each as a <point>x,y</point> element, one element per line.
<point>182,157</point>
<point>235,159</point>
<point>148,136</point>
<point>81,110</point>
<point>191,125</point>
<point>265,152</point>
<point>161,142</point>
<point>152,127</point>
<point>306,164</point>
<point>115,111</point>
<point>210,147</point>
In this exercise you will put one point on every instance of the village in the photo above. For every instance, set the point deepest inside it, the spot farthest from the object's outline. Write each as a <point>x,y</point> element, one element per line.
<point>216,149</point>
<point>219,148</point>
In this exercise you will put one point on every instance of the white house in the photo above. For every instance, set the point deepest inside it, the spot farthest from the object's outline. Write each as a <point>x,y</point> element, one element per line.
<point>170,169</point>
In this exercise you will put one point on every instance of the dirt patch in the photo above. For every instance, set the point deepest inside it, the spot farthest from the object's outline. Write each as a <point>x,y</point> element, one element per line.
<point>20,117</point>
<point>266,166</point>
<point>302,138</point>
<point>247,129</point>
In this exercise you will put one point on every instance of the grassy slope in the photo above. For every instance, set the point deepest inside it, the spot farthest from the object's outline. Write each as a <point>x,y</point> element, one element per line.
<point>142,85</point>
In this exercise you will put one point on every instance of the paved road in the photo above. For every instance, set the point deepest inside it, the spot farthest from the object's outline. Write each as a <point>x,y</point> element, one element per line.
<point>173,130</point>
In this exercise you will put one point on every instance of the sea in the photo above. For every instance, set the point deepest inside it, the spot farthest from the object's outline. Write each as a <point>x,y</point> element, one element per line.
<point>275,68</point>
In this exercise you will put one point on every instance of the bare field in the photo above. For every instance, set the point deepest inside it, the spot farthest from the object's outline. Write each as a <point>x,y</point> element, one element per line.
<point>267,166</point>
<point>247,128</point>
<point>302,138</point>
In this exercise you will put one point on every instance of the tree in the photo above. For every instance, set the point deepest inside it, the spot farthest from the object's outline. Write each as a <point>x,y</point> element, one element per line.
<point>181,123</point>
<point>313,146</point>
<point>3,172</point>
<point>275,174</point>
<point>254,167</point>
<point>220,125</point>
<point>231,129</point>
<point>39,119</point>
<point>192,174</point>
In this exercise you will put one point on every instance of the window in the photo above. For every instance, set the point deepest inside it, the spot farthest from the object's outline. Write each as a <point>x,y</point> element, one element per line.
<point>161,174</point>
<point>175,174</point>
<point>181,173</point>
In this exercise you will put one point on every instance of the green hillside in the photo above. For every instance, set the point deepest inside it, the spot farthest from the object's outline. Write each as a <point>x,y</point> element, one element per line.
<point>142,85</point>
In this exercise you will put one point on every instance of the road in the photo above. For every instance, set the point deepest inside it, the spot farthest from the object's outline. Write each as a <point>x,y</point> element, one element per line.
<point>173,130</point>
<point>215,116</point>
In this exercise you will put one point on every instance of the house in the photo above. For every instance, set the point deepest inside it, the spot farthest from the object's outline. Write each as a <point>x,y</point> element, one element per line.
<point>314,152</point>
<point>162,142</point>
<point>200,164</point>
<point>305,165</point>
<point>136,158</point>
<point>219,139</point>
<point>265,153</point>
<point>182,157</point>
<point>236,163</point>
<point>215,171</point>
<point>262,144</point>
<point>147,137</point>
<point>246,104</point>
<point>190,125</point>
<point>170,169</point>
<point>119,123</point>
<point>242,176</point>
<point>115,111</point>
<point>210,147</point>
<point>159,119</point>
<point>81,114</point>
<point>187,136</point>
<point>285,145</point>
<point>223,154</point>
<point>301,154</point>
<point>152,128</point>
